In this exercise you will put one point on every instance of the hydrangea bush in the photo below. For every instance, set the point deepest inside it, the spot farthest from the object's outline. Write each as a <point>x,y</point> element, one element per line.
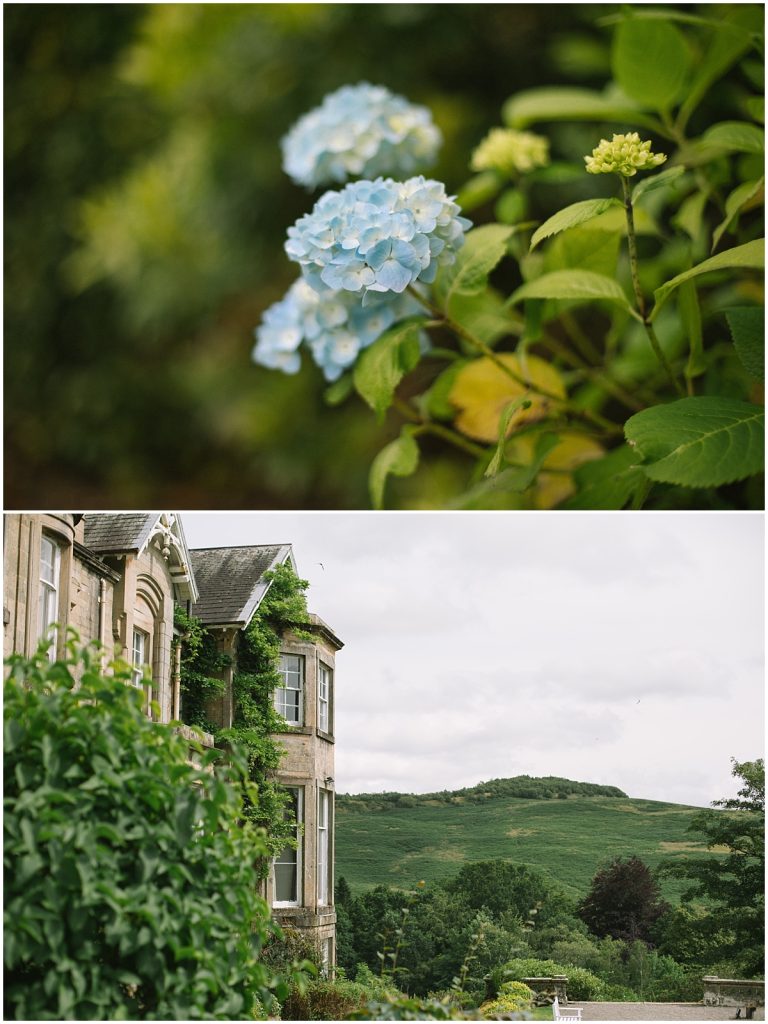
<point>604,354</point>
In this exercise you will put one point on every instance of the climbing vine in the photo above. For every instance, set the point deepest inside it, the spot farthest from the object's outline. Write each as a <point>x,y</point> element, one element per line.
<point>255,720</point>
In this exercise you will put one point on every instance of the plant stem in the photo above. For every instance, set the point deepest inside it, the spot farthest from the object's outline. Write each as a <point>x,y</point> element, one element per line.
<point>601,377</point>
<point>585,414</point>
<point>438,429</point>
<point>639,299</point>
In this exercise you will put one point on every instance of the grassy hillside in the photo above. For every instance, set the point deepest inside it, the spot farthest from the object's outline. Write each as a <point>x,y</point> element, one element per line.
<point>431,836</point>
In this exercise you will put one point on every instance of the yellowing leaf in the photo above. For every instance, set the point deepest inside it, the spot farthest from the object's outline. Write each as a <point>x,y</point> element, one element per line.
<point>482,391</point>
<point>572,450</point>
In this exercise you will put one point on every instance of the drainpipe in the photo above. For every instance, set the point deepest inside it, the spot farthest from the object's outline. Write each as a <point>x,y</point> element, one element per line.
<point>176,705</point>
<point>102,592</point>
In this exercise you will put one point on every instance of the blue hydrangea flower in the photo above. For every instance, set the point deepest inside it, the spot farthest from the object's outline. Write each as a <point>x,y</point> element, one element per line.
<point>335,325</point>
<point>359,131</point>
<point>377,236</point>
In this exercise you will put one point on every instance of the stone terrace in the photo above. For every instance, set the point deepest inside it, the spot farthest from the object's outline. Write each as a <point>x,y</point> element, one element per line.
<point>658,1011</point>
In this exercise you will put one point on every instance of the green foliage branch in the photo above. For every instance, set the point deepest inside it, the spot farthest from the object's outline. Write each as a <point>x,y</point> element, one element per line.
<point>553,387</point>
<point>733,884</point>
<point>130,883</point>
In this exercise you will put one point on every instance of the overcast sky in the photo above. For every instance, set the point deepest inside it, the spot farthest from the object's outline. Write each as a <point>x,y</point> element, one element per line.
<point>620,649</point>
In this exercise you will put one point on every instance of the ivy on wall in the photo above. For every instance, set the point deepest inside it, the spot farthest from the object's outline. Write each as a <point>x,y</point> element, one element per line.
<point>255,721</point>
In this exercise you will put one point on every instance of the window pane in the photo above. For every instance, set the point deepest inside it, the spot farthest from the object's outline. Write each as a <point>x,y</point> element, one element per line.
<point>285,883</point>
<point>48,597</point>
<point>322,848</point>
<point>47,560</point>
<point>288,862</point>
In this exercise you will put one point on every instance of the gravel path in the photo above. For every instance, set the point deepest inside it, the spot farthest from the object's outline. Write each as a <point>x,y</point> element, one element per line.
<point>659,1011</point>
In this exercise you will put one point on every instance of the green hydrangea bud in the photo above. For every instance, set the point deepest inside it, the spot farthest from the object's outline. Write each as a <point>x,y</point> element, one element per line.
<point>624,154</point>
<point>508,151</point>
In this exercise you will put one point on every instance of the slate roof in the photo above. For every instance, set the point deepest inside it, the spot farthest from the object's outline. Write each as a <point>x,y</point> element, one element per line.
<point>230,580</point>
<point>118,531</point>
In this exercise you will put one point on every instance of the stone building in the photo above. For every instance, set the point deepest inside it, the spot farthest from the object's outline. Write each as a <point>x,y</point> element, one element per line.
<point>231,581</point>
<point>115,578</point>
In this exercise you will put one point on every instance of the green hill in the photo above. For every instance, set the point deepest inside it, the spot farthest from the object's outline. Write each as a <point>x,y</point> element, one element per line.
<point>396,839</point>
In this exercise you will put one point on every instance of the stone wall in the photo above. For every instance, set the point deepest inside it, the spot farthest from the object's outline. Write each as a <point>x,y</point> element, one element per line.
<point>733,992</point>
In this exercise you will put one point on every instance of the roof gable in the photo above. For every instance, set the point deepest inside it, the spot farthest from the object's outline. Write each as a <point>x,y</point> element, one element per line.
<point>114,533</point>
<point>231,581</point>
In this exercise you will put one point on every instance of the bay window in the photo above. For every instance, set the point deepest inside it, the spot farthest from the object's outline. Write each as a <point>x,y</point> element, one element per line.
<point>289,695</point>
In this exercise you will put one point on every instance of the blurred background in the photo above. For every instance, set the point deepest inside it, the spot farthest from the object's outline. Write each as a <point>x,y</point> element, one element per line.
<point>145,214</point>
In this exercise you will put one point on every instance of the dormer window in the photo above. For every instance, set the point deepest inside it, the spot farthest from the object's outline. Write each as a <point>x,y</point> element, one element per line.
<point>289,695</point>
<point>48,601</point>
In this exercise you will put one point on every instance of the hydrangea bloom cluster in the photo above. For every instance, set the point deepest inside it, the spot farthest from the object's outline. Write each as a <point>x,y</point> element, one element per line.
<point>335,325</point>
<point>377,236</point>
<point>359,131</point>
<point>510,152</point>
<point>624,154</point>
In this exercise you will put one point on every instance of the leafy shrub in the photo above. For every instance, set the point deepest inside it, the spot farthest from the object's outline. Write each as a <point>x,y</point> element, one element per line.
<point>404,1007</point>
<point>619,994</point>
<point>130,890</point>
<point>289,947</point>
<point>324,1000</point>
<point>513,997</point>
<point>582,984</point>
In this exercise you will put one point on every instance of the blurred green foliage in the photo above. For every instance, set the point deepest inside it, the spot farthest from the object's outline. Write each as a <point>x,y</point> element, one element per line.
<point>145,214</point>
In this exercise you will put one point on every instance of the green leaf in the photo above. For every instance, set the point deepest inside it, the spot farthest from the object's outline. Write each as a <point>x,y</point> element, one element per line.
<point>483,249</point>
<point>735,136</point>
<point>510,206</point>
<point>699,442</point>
<point>731,37</point>
<point>755,107</point>
<point>586,247</point>
<point>514,480</point>
<point>567,104</point>
<point>383,364</point>
<point>656,181</point>
<point>495,464</point>
<point>572,284</point>
<point>339,391</point>
<point>738,199</point>
<point>478,190</point>
<point>437,403</point>
<point>484,315</point>
<point>399,458</point>
<point>690,217</point>
<point>690,315</point>
<point>576,213</point>
<point>650,61</point>
<point>608,483</point>
<point>747,325</point>
<point>750,256</point>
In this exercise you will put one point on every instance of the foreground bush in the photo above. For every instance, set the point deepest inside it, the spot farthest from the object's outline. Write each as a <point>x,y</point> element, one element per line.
<point>513,997</point>
<point>130,887</point>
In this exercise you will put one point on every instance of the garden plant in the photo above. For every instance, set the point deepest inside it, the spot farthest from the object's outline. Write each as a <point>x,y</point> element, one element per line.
<point>607,354</point>
<point>131,886</point>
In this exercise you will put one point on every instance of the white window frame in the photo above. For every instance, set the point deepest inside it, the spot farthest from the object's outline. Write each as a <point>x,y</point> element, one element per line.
<point>297,858</point>
<point>324,805</point>
<point>324,690</point>
<point>139,657</point>
<point>48,598</point>
<point>289,675</point>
